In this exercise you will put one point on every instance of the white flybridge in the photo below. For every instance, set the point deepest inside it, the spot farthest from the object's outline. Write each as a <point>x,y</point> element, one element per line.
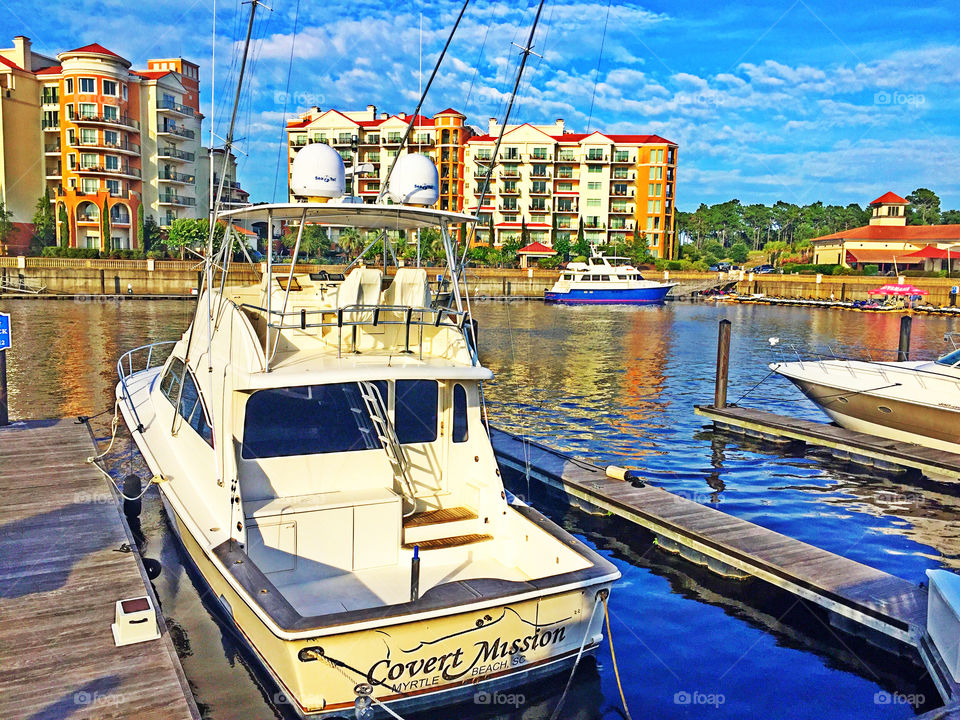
<point>324,459</point>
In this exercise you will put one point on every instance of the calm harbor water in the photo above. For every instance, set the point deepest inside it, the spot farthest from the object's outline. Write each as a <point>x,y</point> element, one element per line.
<point>615,385</point>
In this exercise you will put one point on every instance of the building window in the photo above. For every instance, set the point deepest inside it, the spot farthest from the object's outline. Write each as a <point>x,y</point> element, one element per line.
<point>50,95</point>
<point>511,153</point>
<point>621,156</point>
<point>510,203</point>
<point>593,202</point>
<point>538,204</point>
<point>112,162</point>
<point>114,187</point>
<point>595,169</point>
<point>656,173</point>
<point>110,88</point>
<point>88,110</point>
<point>124,92</point>
<point>595,154</point>
<point>394,137</point>
<point>539,153</point>
<point>111,138</point>
<point>483,154</point>
<point>88,136</point>
<point>68,86</point>
<point>110,112</point>
<point>343,137</point>
<point>89,186</point>
<point>539,187</point>
<point>594,185</point>
<point>88,86</point>
<point>88,160</point>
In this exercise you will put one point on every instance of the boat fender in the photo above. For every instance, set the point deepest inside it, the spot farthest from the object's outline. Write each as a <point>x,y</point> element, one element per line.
<point>618,473</point>
<point>153,568</point>
<point>132,489</point>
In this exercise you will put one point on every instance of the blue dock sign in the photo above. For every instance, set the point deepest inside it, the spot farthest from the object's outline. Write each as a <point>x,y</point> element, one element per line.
<point>5,340</point>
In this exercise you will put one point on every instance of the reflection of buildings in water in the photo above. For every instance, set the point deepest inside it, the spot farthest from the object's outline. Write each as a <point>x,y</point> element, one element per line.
<point>647,347</point>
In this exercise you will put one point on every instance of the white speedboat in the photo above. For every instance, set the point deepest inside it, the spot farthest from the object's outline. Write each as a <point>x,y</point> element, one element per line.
<point>324,460</point>
<point>598,281</point>
<point>911,401</point>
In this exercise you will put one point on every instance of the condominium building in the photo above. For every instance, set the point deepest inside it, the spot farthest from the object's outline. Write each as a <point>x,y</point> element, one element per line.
<point>368,137</point>
<point>233,196</point>
<point>112,140</point>
<point>551,181</point>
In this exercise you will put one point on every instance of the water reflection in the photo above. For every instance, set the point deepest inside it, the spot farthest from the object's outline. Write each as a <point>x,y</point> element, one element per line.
<point>616,385</point>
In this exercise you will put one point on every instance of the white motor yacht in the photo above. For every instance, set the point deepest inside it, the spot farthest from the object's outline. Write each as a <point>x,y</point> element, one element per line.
<point>322,454</point>
<point>910,401</point>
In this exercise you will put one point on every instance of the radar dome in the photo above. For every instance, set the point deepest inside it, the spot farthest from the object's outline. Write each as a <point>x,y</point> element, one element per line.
<point>415,181</point>
<point>317,172</point>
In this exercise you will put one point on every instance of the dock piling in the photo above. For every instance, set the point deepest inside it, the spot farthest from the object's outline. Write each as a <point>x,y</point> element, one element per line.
<point>903,351</point>
<point>723,365</point>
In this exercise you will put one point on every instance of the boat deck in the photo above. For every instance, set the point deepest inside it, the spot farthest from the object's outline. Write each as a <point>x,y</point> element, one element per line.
<point>61,572</point>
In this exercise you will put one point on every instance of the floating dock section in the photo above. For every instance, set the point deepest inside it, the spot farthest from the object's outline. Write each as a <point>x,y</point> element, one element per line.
<point>64,564</point>
<point>862,595</point>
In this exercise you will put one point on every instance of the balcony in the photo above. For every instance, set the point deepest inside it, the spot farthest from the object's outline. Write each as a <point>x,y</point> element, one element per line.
<point>507,208</point>
<point>50,96</point>
<point>597,159</point>
<point>370,140</point>
<point>341,142</point>
<point>539,158</point>
<point>392,140</point>
<point>170,176</point>
<point>623,193</point>
<point>594,225</point>
<point>171,153</point>
<point>514,190</point>
<point>120,147</point>
<point>423,141</point>
<point>621,210</point>
<point>171,108</point>
<point>51,149</point>
<point>567,209</point>
<point>567,158</point>
<point>174,132</point>
<point>623,159</point>
<point>120,120</point>
<point>120,171</point>
<point>174,199</point>
<point>51,125</point>
<point>299,142</point>
<point>536,174</point>
<point>87,217</point>
<point>534,190</point>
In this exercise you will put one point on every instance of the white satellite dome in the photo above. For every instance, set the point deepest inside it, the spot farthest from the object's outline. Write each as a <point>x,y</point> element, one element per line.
<point>317,172</point>
<point>415,181</point>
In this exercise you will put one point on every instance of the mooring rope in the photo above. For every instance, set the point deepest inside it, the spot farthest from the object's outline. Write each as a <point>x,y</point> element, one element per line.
<point>613,656</point>
<point>576,663</point>
<point>95,459</point>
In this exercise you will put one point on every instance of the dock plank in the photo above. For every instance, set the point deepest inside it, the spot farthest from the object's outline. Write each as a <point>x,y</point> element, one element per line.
<point>60,576</point>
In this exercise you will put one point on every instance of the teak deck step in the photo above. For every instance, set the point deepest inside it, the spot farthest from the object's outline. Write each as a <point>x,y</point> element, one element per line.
<point>435,517</point>
<point>450,542</point>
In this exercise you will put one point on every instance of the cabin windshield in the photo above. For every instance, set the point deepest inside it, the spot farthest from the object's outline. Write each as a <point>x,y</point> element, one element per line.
<point>309,420</point>
<point>951,358</point>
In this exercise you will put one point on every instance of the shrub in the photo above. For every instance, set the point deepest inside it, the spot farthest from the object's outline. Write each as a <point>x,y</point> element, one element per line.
<point>871,269</point>
<point>841,270</point>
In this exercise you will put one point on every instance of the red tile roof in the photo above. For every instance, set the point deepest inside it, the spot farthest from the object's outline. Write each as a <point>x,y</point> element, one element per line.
<point>451,111</point>
<point>890,198</point>
<point>95,48</point>
<point>151,74</point>
<point>910,233</point>
<point>902,257</point>
<point>9,63</point>
<point>578,137</point>
<point>52,70</point>
<point>537,247</point>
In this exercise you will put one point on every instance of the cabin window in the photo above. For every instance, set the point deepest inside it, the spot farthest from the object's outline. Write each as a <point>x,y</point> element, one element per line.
<point>191,409</point>
<point>310,420</point>
<point>415,410</point>
<point>170,385</point>
<point>951,358</point>
<point>460,432</point>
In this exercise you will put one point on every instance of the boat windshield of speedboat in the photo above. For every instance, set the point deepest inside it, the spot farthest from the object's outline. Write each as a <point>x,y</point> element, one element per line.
<point>325,459</point>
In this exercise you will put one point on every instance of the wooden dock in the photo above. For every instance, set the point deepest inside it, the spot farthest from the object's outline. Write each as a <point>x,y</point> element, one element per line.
<point>850,445</point>
<point>62,569</point>
<point>863,595</point>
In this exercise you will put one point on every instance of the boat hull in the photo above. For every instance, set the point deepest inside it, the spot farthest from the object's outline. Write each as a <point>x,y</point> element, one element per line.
<point>626,296</point>
<point>415,665</point>
<point>897,418</point>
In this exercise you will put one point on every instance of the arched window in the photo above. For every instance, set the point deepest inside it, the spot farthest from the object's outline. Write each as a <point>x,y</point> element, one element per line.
<point>88,212</point>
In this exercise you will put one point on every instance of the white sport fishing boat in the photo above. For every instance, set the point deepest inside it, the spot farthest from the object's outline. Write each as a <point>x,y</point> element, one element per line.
<point>909,401</point>
<point>600,281</point>
<point>323,457</point>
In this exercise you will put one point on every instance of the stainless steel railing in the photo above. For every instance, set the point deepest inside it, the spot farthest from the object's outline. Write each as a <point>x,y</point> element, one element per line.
<point>126,368</point>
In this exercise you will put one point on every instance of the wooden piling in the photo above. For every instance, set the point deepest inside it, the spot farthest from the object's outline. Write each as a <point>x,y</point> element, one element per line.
<point>723,365</point>
<point>903,351</point>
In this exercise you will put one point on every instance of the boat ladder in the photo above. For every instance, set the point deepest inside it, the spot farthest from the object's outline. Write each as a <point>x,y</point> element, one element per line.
<point>387,435</point>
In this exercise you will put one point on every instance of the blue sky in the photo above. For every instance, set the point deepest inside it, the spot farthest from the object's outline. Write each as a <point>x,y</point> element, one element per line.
<point>794,100</point>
